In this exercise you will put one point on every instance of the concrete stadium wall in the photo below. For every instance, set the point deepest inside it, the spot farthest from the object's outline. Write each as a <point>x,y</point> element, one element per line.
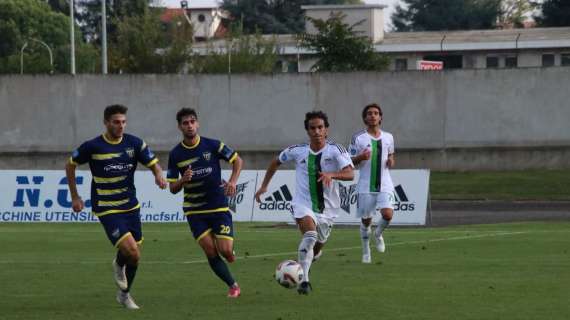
<point>452,120</point>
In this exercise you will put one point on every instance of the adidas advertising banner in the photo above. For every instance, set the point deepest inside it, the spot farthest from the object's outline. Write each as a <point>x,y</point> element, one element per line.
<point>410,198</point>
<point>43,196</point>
<point>276,202</point>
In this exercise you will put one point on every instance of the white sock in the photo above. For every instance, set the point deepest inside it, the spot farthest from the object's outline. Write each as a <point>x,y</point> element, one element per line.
<point>306,252</point>
<point>365,237</point>
<point>382,226</point>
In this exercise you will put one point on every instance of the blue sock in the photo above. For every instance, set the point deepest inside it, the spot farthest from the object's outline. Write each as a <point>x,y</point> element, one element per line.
<point>121,259</point>
<point>130,272</point>
<point>221,270</point>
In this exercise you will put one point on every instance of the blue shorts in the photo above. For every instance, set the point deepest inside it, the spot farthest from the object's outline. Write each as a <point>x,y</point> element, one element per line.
<point>219,223</point>
<point>119,225</point>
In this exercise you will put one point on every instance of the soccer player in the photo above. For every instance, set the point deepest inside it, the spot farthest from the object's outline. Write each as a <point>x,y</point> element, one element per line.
<point>194,165</point>
<point>373,151</point>
<point>316,201</point>
<point>113,158</point>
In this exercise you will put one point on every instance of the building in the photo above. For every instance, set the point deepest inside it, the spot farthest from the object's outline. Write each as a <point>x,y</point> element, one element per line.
<point>209,22</point>
<point>474,49</point>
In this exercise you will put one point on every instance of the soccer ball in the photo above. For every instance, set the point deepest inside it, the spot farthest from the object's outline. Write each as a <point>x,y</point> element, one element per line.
<point>289,274</point>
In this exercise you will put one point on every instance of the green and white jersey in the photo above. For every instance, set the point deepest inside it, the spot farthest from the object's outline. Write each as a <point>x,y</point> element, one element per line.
<point>374,174</point>
<point>308,164</point>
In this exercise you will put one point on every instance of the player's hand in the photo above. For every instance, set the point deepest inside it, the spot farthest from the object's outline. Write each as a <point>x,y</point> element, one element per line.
<point>365,155</point>
<point>187,176</point>
<point>326,179</point>
<point>259,192</point>
<point>160,182</point>
<point>229,188</point>
<point>77,204</point>
<point>390,163</point>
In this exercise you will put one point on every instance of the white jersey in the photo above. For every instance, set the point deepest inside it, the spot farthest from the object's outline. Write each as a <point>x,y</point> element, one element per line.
<point>374,174</point>
<point>308,164</point>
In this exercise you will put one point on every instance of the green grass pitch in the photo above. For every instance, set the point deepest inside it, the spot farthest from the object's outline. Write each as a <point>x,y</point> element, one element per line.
<point>503,271</point>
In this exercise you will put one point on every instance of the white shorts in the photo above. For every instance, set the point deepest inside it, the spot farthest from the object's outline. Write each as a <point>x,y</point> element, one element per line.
<point>324,221</point>
<point>368,203</point>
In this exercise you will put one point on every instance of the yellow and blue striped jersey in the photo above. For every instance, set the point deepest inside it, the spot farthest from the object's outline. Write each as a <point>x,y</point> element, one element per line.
<point>113,165</point>
<point>204,193</point>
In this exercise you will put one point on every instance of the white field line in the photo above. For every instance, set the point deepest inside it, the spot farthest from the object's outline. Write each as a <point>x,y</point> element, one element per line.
<point>267,230</point>
<point>278,254</point>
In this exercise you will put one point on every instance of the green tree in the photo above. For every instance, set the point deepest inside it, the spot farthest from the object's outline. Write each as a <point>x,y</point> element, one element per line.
<point>32,21</point>
<point>429,15</point>
<point>248,54</point>
<point>145,45</point>
<point>89,16</point>
<point>339,48</point>
<point>554,13</point>
<point>515,12</point>
<point>273,17</point>
<point>61,6</point>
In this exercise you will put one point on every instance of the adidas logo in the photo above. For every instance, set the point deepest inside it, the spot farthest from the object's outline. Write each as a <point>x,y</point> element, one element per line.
<point>402,203</point>
<point>279,200</point>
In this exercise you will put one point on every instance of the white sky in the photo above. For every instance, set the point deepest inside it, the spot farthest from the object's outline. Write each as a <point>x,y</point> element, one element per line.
<point>197,3</point>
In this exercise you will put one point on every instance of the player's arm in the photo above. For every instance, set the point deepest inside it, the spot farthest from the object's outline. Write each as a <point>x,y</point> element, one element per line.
<point>76,201</point>
<point>275,163</point>
<point>357,154</point>
<point>346,174</point>
<point>391,162</point>
<point>363,156</point>
<point>230,186</point>
<point>177,184</point>
<point>158,175</point>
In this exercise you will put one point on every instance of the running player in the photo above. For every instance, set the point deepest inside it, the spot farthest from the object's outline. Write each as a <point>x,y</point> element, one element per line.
<point>316,201</point>
<point>373,151</point>
<point>113,158</point>
<point>194,165</point>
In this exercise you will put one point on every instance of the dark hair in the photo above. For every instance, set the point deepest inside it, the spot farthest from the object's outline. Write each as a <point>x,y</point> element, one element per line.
<point>316,115</point>
<point>185,112</point>
<point>372,105</point>
<point>114,109</point>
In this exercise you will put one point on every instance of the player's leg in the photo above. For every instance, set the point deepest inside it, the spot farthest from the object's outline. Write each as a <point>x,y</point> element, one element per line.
<point>387,212</point>
<point>324,229</point>
<point>130,252</point>
<point>217,264</point>
<point>132,247</point>
<point>123,230</point>
<point>306,222</point>
<point>200,227</point>
<point>222,229</point>
<point>365,209</point>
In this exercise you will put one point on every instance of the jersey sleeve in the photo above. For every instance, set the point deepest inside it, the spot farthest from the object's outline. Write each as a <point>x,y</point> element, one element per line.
<point>145,155</point>
<point>287,155</point>
<point>81,155</point>
<point>353,147</point>
<point>172,174</point>
<point>226,152</point>
<point>343,158</point>
<point>391,146</point>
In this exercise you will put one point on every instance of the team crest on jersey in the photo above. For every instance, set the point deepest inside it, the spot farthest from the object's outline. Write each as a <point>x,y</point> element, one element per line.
<point>207,156</point>
<point>130,152</point>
